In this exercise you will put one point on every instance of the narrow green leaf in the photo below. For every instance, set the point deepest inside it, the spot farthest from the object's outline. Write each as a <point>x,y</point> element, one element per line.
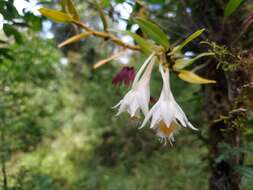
<point>189,39</point>
<point>156,1</point>
<point>184,62</point>
<point>70,9</point>
<point>146,46</point>
<point>181,63</point>
<point>153,31</point>
<point>191,77</point>
<point>102,16</point>
<point>105,3</point>
<point>231,7</point>
<point>57,16</point>
<point>120,1</point>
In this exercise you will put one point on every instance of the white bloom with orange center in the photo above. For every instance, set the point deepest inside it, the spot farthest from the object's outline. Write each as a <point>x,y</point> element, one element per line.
<point>166,113</point>
<point>138,97</point>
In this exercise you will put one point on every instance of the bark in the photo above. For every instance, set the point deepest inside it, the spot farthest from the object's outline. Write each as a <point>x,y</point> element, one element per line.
<point>5,184</point>
<point>223,98</point>
<point>223,173</point>
<point>3,159</point>
<point>224,176</point>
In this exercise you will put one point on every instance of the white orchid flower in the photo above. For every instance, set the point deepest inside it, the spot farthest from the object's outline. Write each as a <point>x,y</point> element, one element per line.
<point>166,114</point>
<point>138,97</point>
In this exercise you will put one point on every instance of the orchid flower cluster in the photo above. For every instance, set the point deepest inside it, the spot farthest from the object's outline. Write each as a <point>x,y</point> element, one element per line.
<point>166,116</point>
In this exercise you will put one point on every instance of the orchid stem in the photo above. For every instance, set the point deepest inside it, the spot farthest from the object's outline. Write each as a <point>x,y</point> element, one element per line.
<point>107,36</point>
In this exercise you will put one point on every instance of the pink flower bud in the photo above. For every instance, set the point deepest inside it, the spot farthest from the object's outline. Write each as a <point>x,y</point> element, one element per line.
<point>125,75</point>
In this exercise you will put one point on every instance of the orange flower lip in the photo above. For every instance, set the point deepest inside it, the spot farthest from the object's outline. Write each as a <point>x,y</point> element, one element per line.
<point>166,130</point>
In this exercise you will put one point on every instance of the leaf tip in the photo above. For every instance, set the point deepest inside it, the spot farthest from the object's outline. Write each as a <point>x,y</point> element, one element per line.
<point>41,10</point>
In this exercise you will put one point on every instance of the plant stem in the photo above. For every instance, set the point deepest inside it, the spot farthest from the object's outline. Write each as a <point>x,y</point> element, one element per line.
<point>107,36</point>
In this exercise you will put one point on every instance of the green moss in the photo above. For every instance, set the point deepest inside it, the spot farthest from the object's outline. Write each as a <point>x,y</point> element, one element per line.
<point>227,60</point>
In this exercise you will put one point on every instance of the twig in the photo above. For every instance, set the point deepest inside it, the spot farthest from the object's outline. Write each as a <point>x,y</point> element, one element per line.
<point>107,36</point>
<point>82,25</point>
<point>112,57</point>
<point>74,39</point>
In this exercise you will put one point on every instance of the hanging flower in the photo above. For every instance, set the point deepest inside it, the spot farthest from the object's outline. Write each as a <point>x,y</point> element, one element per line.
<point>125,75</point>
<point>139,96</point>
<point>166,114</point>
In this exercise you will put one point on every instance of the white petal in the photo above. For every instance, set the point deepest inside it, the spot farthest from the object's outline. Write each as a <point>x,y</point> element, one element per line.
<point>133,107</point>
<point>156,118</point>
<point>117,105</point>
<point>166,85</point>
<point>138,75</point>
<point>143,99</point>
<point>180,115</point>
<point>147,117</point>
<point>180,118</point>
<point>147,74</point>
<point>122,108</point>
<point>167,112</point>
<point>191,126</point>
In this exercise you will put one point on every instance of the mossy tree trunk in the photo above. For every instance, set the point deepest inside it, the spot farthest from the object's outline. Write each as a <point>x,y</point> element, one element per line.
<point>223,98</point>
<point>223,131</point>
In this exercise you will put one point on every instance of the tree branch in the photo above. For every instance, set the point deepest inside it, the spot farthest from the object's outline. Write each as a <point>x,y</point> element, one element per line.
<point>107,36</point>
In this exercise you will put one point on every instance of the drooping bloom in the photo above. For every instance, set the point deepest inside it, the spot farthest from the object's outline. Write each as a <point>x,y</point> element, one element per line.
<point>137,99</point>
<point>166,115</point>
<point>126,75</point>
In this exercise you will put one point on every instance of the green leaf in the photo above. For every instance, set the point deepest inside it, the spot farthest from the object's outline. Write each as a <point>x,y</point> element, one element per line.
<point>102,16</point>
<point>191,77</point>
<point>184,62</point>
<point>8,10</point>
<point>57,16</point>
<point>10,30</point>
<point>33,21</point>
<point>120,1</point>
<point>70,9</point>
<point>153,31</point>
<point>146,46</point>
<point>5,53</point>
<point>189,39</point>
<point>156,1</point>
<point>231,7</point>
<point>105,3</point>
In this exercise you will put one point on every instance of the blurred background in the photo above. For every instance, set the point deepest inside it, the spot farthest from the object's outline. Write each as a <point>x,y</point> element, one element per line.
<point>58,128</point>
